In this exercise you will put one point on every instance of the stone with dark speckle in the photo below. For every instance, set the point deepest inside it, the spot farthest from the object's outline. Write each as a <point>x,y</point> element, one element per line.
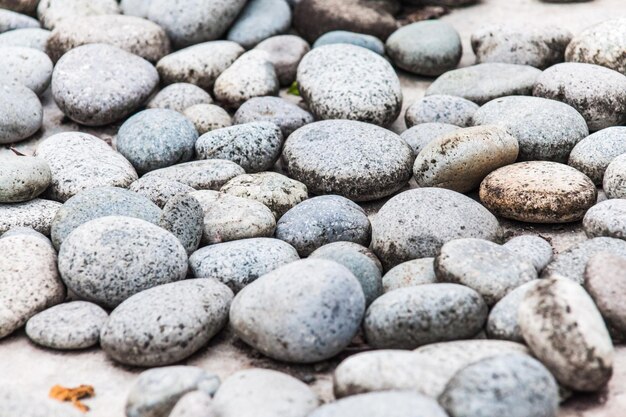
<point>210,174</point>
<point>23,178</point>
<point>605,281</point>
<point>207,117</point>
<point>502,322</point>
<point>286,115</point>
<point>179,97</point>
<point>593,154</point>
<point>410,273</point>
<point>440,108</point>
<point>531,248</point>
<point>159,190</point>
<point>422,134</point>
<point>35,38</point>
<point>601,44</point>
<point>607,218</point>
<point>285,52</point>
<point>26,66</point>
<point>36,214</point>
<point>614,182</point>
<point>184,218</point>
<point>10,20</point>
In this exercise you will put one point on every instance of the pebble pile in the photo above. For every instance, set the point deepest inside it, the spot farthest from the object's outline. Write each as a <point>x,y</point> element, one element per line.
<point>252,193</point>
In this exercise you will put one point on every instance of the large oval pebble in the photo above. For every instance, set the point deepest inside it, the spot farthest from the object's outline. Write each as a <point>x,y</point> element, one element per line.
<point>23,178</point>
<point>36,214</point>
<point>210,174</point>
<point>601,44</point>
<point>26,66</point>
<point>21,113</point>
<point>593,154</point>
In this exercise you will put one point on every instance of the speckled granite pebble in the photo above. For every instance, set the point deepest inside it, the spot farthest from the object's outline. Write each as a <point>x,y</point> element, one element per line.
<point>73,325</point>
<point>228,217</point>
<point>10,20</point>
<point>538,192</point>
<point>607,218</point>
<point>133,34</point>
<point>156,391</point>
<point>546,129</point>
<point>35,38</point>
<point>240,262</point>
<point>21,113</point>
<point>614,182</point>
<point>358,39</point>
<point>36,214</point>
<point>598,93</point>
<point>605,281</point>
<point>100,202</point>
<point>51,12</point>
<point>109,259</point>
<point>207,117</point>
<point>513,385</point>
<point>440,108</point>
<point>263,393</point>
<point>531,248</point>
<point>356,160</point>
<point>159,190</point>
<point>564,330</point>
<point>414,316</point>
<point>285,53</point>
<point>210,174</point>
<point>278,192</point>
<point>286,115</point>
<point>369,91</point>
<point>184,218</point>
<point>27,267</point>
<point>422,134</point>
<point>253,146</point>
<point>22,178</point>
<point>502,322</point>
<point>80,161</point>
<point>409,274</point>
<point>484,82</point>
<point>601,44</point>
<point>321,220</point>
<point>179,96</point>
<point>325,300</point>
<point>26,66</point>
<point>437,216</point>
<point>259,20</point>
<point>593,154</point>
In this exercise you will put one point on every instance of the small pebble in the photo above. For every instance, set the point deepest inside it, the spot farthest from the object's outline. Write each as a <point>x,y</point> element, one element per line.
<point>607,218</point>
<point>358,39</point>
<point>210,174</point>
<point>410,274</point>
<point>207,117</point>
<point>21,113</point>
<point>422,134</point>
<point>605,281</point>
<point>286,115</point>
<point>285,52</point>
<point>601,44</point>
<point>25,66</point>
<point>184,218</point>
<point>534,249</point>
<point>440,108</point>
<point>593,154</point>
<point>179,97</point>
<point>51,12</point>
<point>159,190</point>
<point>614,182</point>
<point>36,214</point>
<point>10,20</point>
<point>502,322</point>
<point>23,178</point>
<point>35,38</point>
<point>259,20</point>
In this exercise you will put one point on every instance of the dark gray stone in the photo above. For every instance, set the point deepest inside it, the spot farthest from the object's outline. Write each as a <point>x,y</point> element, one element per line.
<point>22,178</point>
<point>259,20</point>
<point>593,154</point>
<point>441,108</point>
<point>184,218</point>
<point>286,115</point>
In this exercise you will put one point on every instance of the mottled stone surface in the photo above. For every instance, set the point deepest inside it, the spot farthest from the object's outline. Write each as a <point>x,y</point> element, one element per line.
<point>26,66</point>
<point>564,330</point>
<point>159,190</point>
<point>10,20</point>
<point>531,248</point>
<point>109,259</point>
<point>593,154</point>
<point>36,214</point>
<point>602,44</point>
<point>286,115</point>
<point>369,92</point>
<point>207,117</point>
<point>73,325</point>
<point>21,113</point>
<point>52,12</point>
<point>422,134</point>
<point>210,174</point>
<point>358,39</point>
<point>614,182</point>
<point>502,322</point>
<point>538,192</point>
<point>35,38</point>
<point>436,217</point>
<point>605,281</point>
<point>325,300</point>
<point>356,160</point>
<point>184,218</point>
<point>238,263</point>
<point>440,108</point>
<point>179,97</point>
<point>607,218</point>
<point>193,404</point>
<point>22,178</point>
<point>259,20</point>
<point>285,53</point>
<point>409,274</point>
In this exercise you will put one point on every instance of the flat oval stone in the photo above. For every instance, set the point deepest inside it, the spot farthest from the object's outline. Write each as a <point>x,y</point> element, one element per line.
<point>285,52</point>
<point>502,322</point>
<point>156,138</point>
<point>513,385</point>
<point>159,190</point>
<point>547,130</point>
<point>21,113</point>
<point>534,45</point>
<point>10,20</point>
<point>251,75</point>
<point>210,174</point>
<point>488,268</point>
<point>199,64</point>
<point>484,82</point>
<point>253,146</point>
<point>179,96</point>
<point>82,89</point>
<point>614,182</point>
<point>538,192</point>
<point>286,115</point>
<point>325,298</point>
<point>605,281</point>
<point>321,220</point>
<point>228,217</point>
<point>246,394</point>
<point>598,93</point>
<point>278,192</point>
<point>27,267</point>
<point>73,325</point>
<point>601,44</point>
<point>259,20</point>
<point>100,202</point>
<point>109,259</point>
<point>52,12</point>
<point>167,323</point>
<point>534,249</point>
<point>382,404</point>
<point>207,117</point>
<point>437,216</point>
<point>422,134</point>
<point>80,161</point>
<point>26,66</point>
<point>35,38</point>
<point>430,47</point>
<point>410,274</point>
<point>440,108</point>
<point>364,268</point>
<point>353,159</point>
<point>564,330</point>
<point>133,34</point>
<point>36,214</point>
<point>358,39</point>
<point>414,316</point>
<point>369,92</point>
<point>23,178</point>
<point>157,391</point>
<point>238,263</point>
<point>184,218</point>
<point>607,218</point>
<point>593,154</point>
<point>190,22</point>
<point>460,160</point>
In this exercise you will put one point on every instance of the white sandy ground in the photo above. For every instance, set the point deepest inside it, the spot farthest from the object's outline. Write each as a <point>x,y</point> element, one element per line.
<point>27,367</point>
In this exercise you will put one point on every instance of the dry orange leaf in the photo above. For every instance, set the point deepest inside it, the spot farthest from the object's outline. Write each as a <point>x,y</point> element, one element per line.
<point>73,395</point>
